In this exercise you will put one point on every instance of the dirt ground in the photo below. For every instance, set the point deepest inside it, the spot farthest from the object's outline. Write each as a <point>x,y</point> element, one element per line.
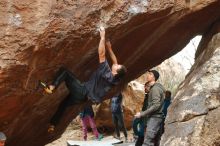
<point>74,132</point>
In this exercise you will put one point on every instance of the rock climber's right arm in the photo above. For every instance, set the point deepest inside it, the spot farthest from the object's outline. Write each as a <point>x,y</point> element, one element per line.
<point>101,49</point>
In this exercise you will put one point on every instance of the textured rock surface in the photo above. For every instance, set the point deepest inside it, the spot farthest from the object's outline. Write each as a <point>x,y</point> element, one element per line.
<point>193,118</point>
<point>39,36</point>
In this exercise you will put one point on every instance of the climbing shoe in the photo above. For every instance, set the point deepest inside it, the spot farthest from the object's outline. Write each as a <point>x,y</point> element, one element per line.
<point>100,137</point>
<point>117,137</point>
<point>126,140</point>
<point>46,87</point>
<point>51,129</point>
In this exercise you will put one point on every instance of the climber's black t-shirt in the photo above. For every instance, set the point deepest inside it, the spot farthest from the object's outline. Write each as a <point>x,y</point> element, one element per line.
<point>100,82</point>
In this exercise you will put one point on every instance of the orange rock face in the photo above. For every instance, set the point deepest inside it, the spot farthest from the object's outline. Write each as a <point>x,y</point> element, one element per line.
<point>39,36</point>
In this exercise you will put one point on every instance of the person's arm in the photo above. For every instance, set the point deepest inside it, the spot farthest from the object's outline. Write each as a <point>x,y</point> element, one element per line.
<point>101,49</point>
<point>111,53</point>
<point>156,103</point>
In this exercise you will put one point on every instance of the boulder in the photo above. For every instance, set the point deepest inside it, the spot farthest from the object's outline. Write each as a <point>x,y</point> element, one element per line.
<point>39,36</point>
<point>193,117</point>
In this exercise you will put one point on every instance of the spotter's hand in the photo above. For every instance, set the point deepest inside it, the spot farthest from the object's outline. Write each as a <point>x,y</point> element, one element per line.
<point>138,115</point>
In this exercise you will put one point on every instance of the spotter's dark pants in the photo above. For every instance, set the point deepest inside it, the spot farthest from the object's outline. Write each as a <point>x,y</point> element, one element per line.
<point>118,120</point>
<point>153,127</point>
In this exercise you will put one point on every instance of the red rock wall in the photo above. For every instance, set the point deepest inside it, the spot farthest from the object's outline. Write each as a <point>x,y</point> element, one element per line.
<point>39,36</point>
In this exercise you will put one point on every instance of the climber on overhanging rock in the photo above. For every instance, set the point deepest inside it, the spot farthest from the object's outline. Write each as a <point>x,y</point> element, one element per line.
<point>101,81</point>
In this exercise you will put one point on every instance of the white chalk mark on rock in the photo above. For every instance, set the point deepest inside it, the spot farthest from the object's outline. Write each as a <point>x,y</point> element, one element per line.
<point>15,20</point>
<point>134,9</point>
